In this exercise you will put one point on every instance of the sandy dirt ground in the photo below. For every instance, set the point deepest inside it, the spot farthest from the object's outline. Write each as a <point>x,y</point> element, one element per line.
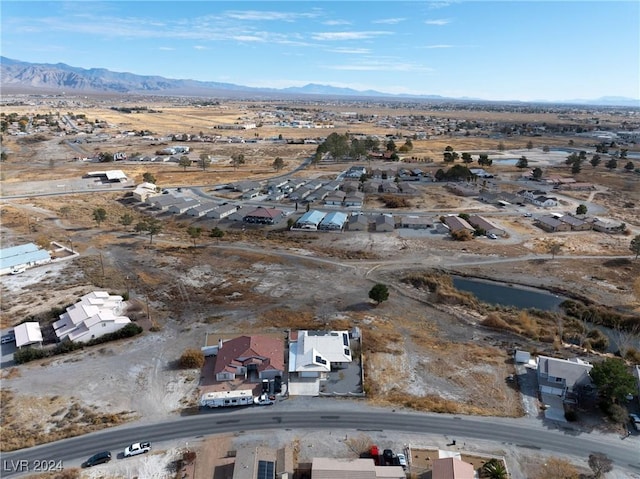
<point>258,280</point>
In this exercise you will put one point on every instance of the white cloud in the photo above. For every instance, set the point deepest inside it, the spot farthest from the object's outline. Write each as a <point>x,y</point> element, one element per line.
<point>438,5</point>
<point>438,46</point>
<point>248,38</point>
<point>351,51</point>
<point>374,65</point>
<point>390,21</point>
<point>336,22</point>
<point>168,49</point>
<point>266,15</point>
<point>441,21</point>
<point>199,47</point>
<point>348,35</point>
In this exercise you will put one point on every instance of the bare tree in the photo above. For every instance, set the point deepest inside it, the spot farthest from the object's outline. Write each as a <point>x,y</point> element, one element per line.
<point>623,339</point>
<point>600,464</point>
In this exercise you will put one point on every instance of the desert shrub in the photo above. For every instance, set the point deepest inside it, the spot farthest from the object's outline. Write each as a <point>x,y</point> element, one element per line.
<point>393,201</point>
<point>191,359</point>
<point>613,411</point>
<point>462,235</point>
<point>600,315</point>
<point>30,354</point>
<point>495,321</point>
<point>633,356</point>
<point>598,340</point>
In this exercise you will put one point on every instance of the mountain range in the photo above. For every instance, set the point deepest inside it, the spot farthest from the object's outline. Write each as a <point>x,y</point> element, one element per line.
<point>16,75</point>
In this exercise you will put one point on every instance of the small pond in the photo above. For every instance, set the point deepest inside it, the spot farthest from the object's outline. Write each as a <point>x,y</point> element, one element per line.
<point>505,295</point>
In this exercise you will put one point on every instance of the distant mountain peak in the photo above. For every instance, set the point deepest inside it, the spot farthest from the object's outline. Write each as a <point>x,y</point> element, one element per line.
<point>63,77</point>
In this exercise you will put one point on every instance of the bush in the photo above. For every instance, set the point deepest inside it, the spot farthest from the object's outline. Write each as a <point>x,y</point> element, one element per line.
<point>30,354</point>
<point>192,359</point>
<point>571,416</point>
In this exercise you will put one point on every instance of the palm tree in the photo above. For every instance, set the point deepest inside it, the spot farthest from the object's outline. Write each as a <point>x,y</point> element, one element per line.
<point>494,469</point>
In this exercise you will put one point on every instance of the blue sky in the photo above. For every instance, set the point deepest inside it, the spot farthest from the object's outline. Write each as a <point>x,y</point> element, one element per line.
<point>504,50</point>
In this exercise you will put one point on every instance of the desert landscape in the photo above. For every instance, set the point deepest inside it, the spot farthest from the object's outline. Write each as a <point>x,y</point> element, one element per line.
<point>428,347</point>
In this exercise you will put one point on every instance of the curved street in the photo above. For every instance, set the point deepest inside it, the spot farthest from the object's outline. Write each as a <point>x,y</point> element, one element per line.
<point>519,432</point>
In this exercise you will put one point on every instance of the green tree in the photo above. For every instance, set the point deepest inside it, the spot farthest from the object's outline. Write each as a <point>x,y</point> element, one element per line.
<point>529,145</point>
<point>278,163</point>
<point>634,246</point>
<point>379,293</point>
<point>545,149</point>
<point>99,215</point>
<point>126,219</point>
<point>466,158</point>
<point>194,232</point>
<point>581,209</point>
<point>494,469</point>
<point>522,163</point>
<point>600,464</point>
<point>391,145</point>
<point>537,173</point>
<point>105,157</point>
<point>595,160</point>
<point>629,166</point>
<point>151,226</point>
<point>612,164</point>
<point>483,160</point>
<point>576,167</point>
<point>216,233</point>
<point>185,162</point>
<point>612,379</point>
<point>205,161</point>
<point>149,178</point>
<point>237,159</point>
<point>501,146</point>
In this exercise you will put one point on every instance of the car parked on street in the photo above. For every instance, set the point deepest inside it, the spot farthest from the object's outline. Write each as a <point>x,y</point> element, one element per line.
<point>99,458</point>
<point>137,448</point>
<point>402,460</point>
<point>388,456</point>
<point>635,421</point>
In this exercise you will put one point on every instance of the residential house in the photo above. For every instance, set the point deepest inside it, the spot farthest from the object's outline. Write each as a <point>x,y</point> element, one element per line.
<point>455,223</point>
<point>576,224</point>
<point>263,462</point>
<point>28,334</point>
<point>22,256</point>
<point>250,357</point>
<point>350,186</point>
<point>335,198</point>
<point>144,191</point>
<point>334,221</point>
<point>201,209</point>
<point>551,224</point>
<point>372,186</point>
<point>222,211</point>
<point>244,186</point>
<point>607,227</point>
<point>560,380</point>
<point>384,223</point>
<point>545,201</point>
<point>182,206</point>
<point>264,216</point>
<point>310,220</point>
<point>96,314</point>
<point>163,202</point>
<point>365,468</point>
<point>451,468</point>
<point>488,226</point>
<point>312,354</point>
<point>355,172</point>
<point>359,223</point>
<point>354,200</point>
<point>416,222</point>
<point>390,187</point>
<point>408,189</point>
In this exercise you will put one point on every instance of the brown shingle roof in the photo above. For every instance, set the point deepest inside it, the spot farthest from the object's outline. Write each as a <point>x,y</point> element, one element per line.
<point>266,351</point>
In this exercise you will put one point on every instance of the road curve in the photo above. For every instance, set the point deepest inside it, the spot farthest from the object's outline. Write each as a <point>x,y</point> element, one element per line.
<point>71,452</point>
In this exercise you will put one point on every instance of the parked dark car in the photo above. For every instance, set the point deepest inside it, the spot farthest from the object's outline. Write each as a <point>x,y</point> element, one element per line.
<point>388,457</point>
<point>100,458</point>
<point>277,384</point>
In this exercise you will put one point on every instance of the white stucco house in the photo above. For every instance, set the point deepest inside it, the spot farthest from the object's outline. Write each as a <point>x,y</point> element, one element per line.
<point>96,314</point>
<point>312,354</point>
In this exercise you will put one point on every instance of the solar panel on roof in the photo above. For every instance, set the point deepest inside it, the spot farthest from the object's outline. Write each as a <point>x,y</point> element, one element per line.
<point>266,470</point>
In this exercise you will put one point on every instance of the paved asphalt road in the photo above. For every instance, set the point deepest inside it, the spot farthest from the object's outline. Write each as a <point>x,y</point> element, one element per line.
<point>624,453</point>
